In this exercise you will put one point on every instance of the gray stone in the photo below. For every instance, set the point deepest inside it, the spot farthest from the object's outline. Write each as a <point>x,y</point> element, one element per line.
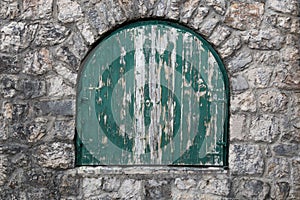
<point>87,31</point>
<point>68,11</point>
<point>51,34</point>
<point>250,189</point>
<point>239,83</point>
<point>3,169</point>
<point>31,88</point>
<point>157,189</point>
<point>64,129</point>
<point>55,155</point>
<point>91,187</point>
<point>244,102</point>
<point>37,62</point>
<point>245,159</point>
<point>244,16</point>
<point>267,38</point>
<point>38,9</point>
<point>9,9</point>
<point>73,52</point>
<point>188,9</point>
<point>111,184</point>
<point>69,185</point>
<point>9,64</point>
<point>267,58</point>
<point>218,5</point>
<point>230,46</point>
<point>185,184</point>
<point>280,190</point>
<point>36,130</point>
<point>273,101</point>
<point>278,168</point>
<point>240,61</point>
<point>173,9</point>
<point>58,88</point>
<point>259,77</point>
<point>215,185</point>
<point>200,13</point>
<point>8,85</point>
<point>66,73</point>
<point>16,36</point>
<point>59,107</point>
<point>237,124</point>
<point>264,128</point>
<point>284,6</point>
<point>208,26</point>
<point>286,149</point>
<point>219,35</point>
<point>131,189</point>
<point>16,112</point>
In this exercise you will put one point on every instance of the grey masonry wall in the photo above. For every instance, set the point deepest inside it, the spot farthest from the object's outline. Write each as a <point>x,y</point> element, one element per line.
<point>42,46</point>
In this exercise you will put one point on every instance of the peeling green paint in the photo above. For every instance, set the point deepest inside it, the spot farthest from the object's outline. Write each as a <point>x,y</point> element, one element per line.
<point>152,93</point>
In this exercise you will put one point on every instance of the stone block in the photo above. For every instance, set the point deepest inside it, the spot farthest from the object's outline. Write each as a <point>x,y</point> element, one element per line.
<point>188,10</point>
<point>15,112</point>
<point>57,155</point>
<point>240,61</point>
<point>244,16</point>
<point>66,73</point>
<point>246,159</point>
<point>230,46</point>
<point>284,6</point>
<point>219,186</point>
<point>9,9</point>
<point>244,102</point>
<point>51,34</point>
<point>58,88</point>
<point>245,188</point>
<point>239,83</point>
<point>208,26</point>
<point>157,189</point>
<point>3,169</point>
<point>39,9</point>
<point>87,32</point>
<point>31,88</point>
<point>37,62</point>
<point>111,184</point>
<point>16,36</point>
<point>91,187</point>
<point>286,149</point>
<point>69,185</point>
<point>219,35</point>
<point>280,190</point>
<point>64,129</point>
<point>59,107</point>
<point>272,101</point>
<point>185,184</point>
<point>278,168</point>
<point>264,128</point>
<point>68,11</point>
<point>9,64</point>
<point>132,189</point>
<point>267,38</point>
<point>8,84</point>
<point>200,13</point>
<point>237,127</point>
<point>218,5</point>
<point>259,77</point>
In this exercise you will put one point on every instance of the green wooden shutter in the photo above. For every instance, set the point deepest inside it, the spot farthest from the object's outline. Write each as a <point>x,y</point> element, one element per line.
<point>152,93</point>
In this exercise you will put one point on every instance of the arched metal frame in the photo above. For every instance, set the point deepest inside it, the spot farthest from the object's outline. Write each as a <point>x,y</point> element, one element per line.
<point>181,74</point>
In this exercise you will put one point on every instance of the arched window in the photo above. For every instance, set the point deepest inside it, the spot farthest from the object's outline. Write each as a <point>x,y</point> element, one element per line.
<point>152,93</point>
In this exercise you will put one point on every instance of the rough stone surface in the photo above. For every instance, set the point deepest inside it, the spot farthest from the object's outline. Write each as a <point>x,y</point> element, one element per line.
<point>43,44</point>
<point>264,128</point>
<point>68,11</point>
<point>56,155</point>
<point>248,17</point>
<point>246,159</point>
<point>251,189</point>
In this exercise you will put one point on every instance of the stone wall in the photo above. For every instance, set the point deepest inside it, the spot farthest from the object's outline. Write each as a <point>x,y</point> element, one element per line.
<point>42,45</point>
